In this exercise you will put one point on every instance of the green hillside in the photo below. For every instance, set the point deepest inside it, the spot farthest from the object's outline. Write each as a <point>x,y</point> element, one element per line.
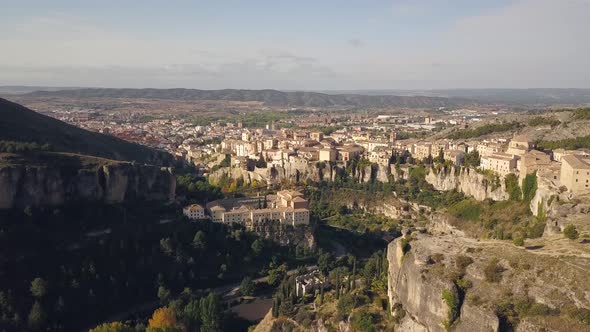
<point>20,124</point>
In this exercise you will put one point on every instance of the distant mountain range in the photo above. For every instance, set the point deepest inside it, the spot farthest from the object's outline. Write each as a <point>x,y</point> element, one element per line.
<point>528,97</point>
<point>268,97</point>
<point>18,123</point>
<point>328,98</point>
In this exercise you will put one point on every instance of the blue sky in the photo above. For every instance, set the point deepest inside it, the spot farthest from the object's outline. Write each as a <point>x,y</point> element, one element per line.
<point>303,45</point>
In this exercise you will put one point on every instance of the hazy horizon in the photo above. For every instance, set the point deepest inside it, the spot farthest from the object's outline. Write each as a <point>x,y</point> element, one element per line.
<point>304,45</point>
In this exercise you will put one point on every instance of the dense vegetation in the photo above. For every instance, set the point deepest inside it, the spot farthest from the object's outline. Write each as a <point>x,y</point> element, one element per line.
<point>340,300</point>
<point>582,142</point>
<point>69,267</point>
<point>544,121</point>
<point>485,130</point>
<point>20,147</point>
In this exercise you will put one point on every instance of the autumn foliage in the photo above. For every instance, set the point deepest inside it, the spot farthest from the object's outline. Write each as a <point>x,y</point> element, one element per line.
<point>163,318</point>
<point>112,327</point>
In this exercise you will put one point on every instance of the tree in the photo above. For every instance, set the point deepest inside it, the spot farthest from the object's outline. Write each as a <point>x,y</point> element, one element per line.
<point>166,246</point>
<point>163,318</point>
<point>472,159</point>
<point>113,327</point>
<point>37,316</point>
<point>257,247</point>
<point>571,232</point>
<point>441,155</point>
<point>210,313</point>
<point>163,294</point>
<point>276,275</point>
<point>518,239</point>
<point>200,241</point>
<point>38,288</point>
<point>324,262</point>
<point>247,286</point>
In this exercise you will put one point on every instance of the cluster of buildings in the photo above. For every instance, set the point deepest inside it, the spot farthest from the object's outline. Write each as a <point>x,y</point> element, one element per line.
<point>287,207</point>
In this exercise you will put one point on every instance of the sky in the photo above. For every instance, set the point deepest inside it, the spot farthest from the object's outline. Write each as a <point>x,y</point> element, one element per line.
<point>296,44</point>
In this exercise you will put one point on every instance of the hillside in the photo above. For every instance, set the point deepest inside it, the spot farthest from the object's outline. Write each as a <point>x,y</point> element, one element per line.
<point>18,123</point>
<point>267,97</point>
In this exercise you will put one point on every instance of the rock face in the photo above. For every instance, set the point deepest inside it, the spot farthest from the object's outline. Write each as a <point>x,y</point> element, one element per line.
<point>469,182</point>
<point>301,235</point>
<point>37,184</point>
<point>424,265</point>
<point>300,172</point>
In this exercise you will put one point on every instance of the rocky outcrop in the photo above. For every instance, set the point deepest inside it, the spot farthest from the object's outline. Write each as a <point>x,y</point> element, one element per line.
<point>25,182</point>
<point>297,236</point>
<point>301,172</point>
<point>425,265</point>
<point>469,182</point>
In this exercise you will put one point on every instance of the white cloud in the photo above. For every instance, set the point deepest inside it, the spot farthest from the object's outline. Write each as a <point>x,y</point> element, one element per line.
<point>528,43</point>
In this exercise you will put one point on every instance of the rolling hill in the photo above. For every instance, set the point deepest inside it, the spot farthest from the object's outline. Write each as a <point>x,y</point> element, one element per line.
<point>18,123</point>
<point>267,97</point>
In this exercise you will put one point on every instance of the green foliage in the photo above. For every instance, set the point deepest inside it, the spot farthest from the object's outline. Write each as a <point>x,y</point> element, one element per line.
<point>512,187</point>
<point>582,114</point>
<point>582,142</point>
<point>529,187</point>
<point>472,159</point>
<point>452,302</point>
<point>247,286</point>
<point>124,268</point>
<point>485,130</point>
<point>196,188</point>
<point>113,327</point>
<point>37,316</point>
<point>38,288</point>
<point>518,239</point>
<point>571,232</point>
<point>493,271</point>
<point>276,275</point>
<point>544,121</point>
<point>20,147</point>
<point>467,209</point>
<point>364,321</point>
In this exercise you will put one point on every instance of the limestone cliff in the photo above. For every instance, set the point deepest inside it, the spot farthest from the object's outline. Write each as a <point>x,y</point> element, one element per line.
<point>52,179</point>
<point>298,236</point>
<point>300,172</point>
<point>424,266</point>
<point>469,182</point>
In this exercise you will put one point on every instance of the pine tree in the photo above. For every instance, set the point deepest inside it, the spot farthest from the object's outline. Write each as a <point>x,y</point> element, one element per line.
<point>37,316</point>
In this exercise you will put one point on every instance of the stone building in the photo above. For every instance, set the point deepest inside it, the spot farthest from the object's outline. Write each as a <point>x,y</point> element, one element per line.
<point>194,212</point>
<point>286,207</point>
<point>501,163</point>
<point>575,173</point>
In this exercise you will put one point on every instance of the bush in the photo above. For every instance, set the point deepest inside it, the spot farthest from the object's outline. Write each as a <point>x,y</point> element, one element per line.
<point>462,262</point>
<point>493,271</point>
<point>485,130</point>
<point>529,187</point>
<point>571,232</point>
<point>544,121</point>
<point>364,321</point>
<point>467,209</point>
<point>452,302</point>
<point>518,239</point>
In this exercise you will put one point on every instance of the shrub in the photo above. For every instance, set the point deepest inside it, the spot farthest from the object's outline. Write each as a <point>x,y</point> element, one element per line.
<point>512,187</point>
<point>493,271</point>
<point>364,321</point>
<point>518,239</point>
<point>529,187</point>
<point>450,299</point>
<point>462,262</point>
<point>571,232</point>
